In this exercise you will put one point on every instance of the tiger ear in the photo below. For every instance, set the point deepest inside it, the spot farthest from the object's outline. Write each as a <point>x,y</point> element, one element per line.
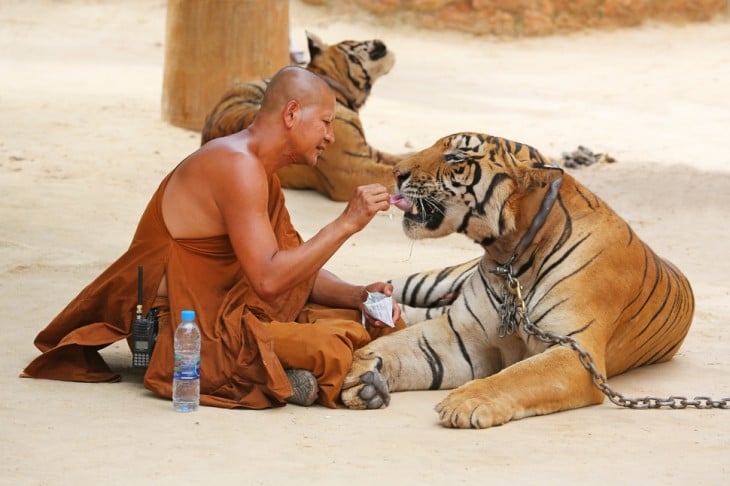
<point>315,45</point>
<point>542,175</point>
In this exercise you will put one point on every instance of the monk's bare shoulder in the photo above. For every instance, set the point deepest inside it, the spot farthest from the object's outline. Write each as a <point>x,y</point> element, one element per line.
<point>227,160</point>
<point>232,146</point>
<point>212,183</point>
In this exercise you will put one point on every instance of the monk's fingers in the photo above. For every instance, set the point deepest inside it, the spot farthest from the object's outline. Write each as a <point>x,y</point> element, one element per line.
<point>375,196</point>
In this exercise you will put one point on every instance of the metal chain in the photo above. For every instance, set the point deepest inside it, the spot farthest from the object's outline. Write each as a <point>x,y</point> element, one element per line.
<point>514,311</point>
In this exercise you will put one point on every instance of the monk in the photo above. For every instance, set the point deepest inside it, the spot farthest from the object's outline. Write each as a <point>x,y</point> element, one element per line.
<point>216,237</point>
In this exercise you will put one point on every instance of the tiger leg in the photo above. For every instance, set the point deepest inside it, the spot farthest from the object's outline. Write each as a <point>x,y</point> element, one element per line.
<point>414,315</point>
<point>544,383</point>
<point>428,356</point>
<point>434,288</point>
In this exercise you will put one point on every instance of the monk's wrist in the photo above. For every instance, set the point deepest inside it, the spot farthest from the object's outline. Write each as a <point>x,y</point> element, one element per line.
<point>362,296</point>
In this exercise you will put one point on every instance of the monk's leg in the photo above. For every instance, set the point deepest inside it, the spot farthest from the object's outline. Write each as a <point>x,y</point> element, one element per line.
<point>323,347</point>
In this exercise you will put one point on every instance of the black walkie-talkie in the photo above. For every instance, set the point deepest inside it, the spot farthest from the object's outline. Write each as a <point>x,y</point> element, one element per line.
<point>144,330</point>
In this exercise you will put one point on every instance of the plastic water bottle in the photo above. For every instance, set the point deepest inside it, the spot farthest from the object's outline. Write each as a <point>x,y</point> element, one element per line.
<point>186,378</point>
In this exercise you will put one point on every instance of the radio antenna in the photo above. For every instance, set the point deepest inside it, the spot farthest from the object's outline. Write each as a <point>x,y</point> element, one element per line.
<point>139,292</point>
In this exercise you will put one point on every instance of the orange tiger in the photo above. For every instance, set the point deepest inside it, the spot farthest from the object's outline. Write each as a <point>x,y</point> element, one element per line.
<point>350,68</point>
<point>578,268</point>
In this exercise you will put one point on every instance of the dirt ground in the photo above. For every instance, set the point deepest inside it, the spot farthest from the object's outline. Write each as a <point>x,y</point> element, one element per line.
<point>83,146</point>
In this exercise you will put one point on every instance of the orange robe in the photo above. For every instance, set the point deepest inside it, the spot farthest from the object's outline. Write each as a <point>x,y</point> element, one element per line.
<point>246,342</point>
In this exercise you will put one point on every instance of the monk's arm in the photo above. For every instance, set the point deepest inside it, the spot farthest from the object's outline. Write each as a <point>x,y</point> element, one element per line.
<point>242,199</point>
<point>332,291</point>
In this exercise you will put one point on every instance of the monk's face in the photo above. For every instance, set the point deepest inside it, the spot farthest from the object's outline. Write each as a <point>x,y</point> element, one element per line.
<point>315,129</point>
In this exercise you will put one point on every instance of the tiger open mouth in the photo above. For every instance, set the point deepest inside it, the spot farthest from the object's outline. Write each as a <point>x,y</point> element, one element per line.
<point>423,211</point>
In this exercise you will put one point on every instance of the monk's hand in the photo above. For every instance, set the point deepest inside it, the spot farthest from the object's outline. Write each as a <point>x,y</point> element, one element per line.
<point>387,290</point>
<point>365,204</point>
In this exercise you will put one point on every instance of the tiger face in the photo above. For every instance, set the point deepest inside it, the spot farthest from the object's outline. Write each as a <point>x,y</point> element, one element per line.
<point>469,183</point>
<point>351,67</point>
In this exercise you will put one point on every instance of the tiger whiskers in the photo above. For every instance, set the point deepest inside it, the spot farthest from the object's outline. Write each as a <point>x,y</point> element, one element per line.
<point>424,205</point>
<point>433,206</point>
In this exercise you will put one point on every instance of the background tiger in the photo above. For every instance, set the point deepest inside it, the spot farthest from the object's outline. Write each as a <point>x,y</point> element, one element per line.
<point>583,271</point>
<point>350,68</point>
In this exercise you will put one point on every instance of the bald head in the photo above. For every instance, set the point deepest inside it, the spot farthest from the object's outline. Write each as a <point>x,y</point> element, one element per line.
<point>294,83</point>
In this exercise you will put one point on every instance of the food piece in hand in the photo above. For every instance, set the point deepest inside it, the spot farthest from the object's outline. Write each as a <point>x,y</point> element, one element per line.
<point>380,307</point>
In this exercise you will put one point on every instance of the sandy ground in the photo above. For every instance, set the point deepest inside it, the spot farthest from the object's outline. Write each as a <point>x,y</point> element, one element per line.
<point>82,147</point>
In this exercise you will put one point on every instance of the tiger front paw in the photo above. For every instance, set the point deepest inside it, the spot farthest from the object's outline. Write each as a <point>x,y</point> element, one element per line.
<point>365,387</point>
<point>464,409</point>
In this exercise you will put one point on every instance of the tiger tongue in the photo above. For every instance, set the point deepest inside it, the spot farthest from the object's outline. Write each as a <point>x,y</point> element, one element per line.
<point>400,202</point>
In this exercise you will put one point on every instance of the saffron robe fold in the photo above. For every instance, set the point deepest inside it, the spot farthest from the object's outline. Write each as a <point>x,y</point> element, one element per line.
<point>239,365</point>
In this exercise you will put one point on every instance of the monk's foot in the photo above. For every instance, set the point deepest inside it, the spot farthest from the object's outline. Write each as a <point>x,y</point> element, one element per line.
<point>304,385</point>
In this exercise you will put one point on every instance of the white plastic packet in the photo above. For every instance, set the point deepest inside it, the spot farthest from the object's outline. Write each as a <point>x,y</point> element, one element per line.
<point>379,306</point>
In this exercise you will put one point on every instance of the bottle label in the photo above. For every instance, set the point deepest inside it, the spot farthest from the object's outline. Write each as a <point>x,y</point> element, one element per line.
<point>186,367</point>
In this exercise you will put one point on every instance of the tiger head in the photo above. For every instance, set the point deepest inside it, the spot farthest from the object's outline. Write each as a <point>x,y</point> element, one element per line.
<point>482,186</point>
<point>349,67</point>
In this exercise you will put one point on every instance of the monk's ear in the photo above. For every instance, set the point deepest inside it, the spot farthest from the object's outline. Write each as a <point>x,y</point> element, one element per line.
<point>315,45</point>
<point>291,112</point>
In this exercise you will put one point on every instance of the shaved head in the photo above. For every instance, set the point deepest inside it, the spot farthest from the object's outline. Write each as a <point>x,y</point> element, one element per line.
<point>294,83</point>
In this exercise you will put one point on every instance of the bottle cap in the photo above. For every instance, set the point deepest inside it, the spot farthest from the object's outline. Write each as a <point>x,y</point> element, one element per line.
<point>188,315</point>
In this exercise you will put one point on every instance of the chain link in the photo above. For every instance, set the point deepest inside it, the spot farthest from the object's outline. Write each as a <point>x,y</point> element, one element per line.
<point>513,312</point>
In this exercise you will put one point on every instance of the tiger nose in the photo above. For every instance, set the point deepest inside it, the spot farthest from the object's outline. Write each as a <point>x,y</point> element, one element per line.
<point>378,51</point>
<point>399,176</point>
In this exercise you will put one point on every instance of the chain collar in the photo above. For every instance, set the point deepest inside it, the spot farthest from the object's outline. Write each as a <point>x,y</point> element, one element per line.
<point>542,214</point>
<point>513,306</point>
